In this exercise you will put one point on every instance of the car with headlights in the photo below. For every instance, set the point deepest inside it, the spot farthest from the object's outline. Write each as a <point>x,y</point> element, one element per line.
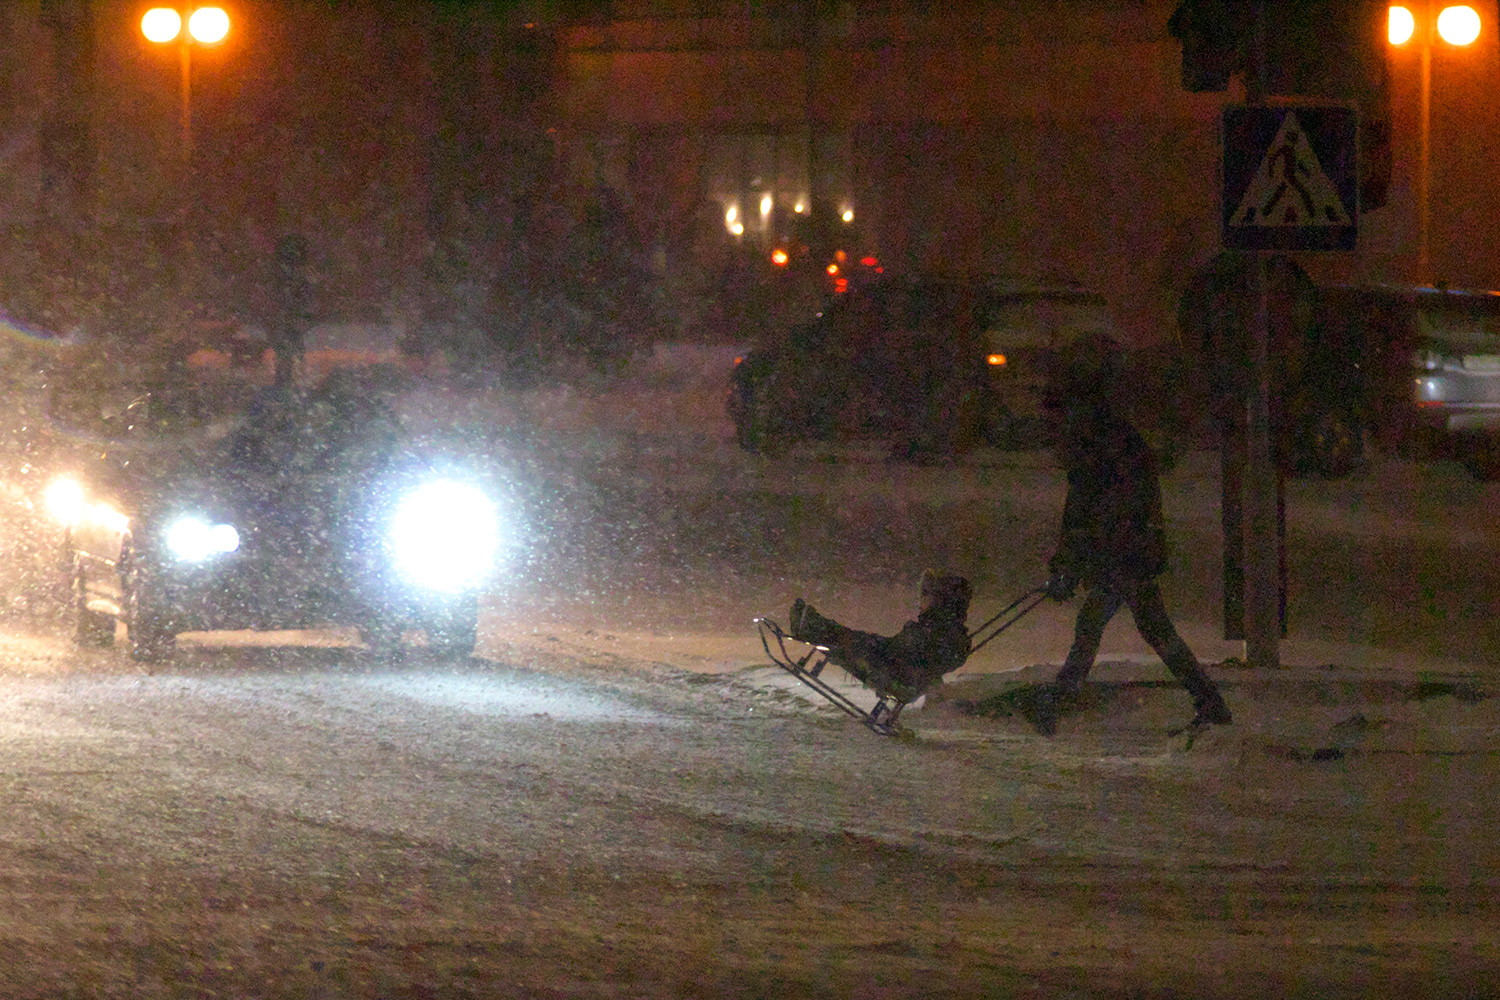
<point>931,366</point>
<point>309,509</point>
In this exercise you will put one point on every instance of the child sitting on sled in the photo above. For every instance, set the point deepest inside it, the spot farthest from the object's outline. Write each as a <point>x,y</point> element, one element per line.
<point>909,662</point>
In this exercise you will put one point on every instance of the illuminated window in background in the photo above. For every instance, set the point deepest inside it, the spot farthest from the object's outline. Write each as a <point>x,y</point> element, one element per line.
<point>766,175</point>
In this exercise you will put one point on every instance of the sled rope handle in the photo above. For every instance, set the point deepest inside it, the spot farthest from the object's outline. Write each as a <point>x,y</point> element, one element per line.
<point>1038,595</point>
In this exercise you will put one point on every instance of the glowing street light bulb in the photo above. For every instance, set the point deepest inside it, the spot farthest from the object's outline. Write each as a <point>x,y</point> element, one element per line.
<point>1400,26</point>
<point>799,208</point>
<point>848,215</point>
<point>765,204</point>
<point>731,215</point>
<point>737,228</point>
<point>1458,25</point>
<point>161,24</point>
<point>208,24</point>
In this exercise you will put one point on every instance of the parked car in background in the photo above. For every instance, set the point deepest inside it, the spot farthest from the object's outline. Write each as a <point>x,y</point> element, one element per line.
<point>932,367</point>
<point>1327,385</point>
<point>1433,361</point>
<point>1401,368</point>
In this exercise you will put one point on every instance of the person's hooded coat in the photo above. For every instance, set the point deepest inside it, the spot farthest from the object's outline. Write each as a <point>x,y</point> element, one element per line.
<point>1112,527</point>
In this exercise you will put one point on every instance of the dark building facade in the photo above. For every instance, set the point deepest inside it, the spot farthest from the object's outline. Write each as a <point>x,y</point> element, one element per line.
<point>417,144</point>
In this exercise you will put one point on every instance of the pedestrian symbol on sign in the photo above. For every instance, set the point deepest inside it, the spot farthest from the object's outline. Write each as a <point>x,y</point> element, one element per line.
<point>1290,188</point>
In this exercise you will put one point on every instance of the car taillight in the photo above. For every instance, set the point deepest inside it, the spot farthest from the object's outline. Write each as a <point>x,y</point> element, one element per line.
<point>995,359</point>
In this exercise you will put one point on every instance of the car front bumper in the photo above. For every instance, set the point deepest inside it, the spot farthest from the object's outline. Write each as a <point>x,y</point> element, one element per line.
<point>251,594</point>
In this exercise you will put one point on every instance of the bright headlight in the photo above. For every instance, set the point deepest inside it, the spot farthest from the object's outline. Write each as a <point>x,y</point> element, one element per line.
<point>445,535</point>
<point>191,539</point>
<point>65,500</point>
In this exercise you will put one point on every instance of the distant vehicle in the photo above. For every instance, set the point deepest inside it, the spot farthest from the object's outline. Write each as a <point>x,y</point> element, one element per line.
<point>933,367</point>
<point>1405,368</point>
<point>310,511</point>
<point>1328,375</point>
<point>1433,357</point>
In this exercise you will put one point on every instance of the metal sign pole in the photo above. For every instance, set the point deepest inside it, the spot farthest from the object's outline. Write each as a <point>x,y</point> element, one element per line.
<point>1262,593</point>
<point>1262,556</point>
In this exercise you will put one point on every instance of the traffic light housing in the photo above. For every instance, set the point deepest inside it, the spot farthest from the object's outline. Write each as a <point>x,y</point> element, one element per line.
<point>1215,41</point>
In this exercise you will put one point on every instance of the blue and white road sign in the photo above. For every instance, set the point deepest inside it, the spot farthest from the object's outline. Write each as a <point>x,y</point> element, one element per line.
<point>1291,178</point>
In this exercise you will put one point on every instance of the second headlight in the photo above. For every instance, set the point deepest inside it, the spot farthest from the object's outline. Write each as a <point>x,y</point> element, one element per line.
<point>192,539</point>
<point>445,535</point>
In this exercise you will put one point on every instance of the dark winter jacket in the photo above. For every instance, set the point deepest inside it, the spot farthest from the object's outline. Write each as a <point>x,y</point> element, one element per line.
<point>924,650</point>
<point>907,663</point>
<point>1112,527</point>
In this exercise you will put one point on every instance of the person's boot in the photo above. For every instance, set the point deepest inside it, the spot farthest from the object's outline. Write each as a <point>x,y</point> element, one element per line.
<point>1208,705</point>
<point>1044,710</point>
<point>806,625</point>
<point>1211,711</point>
<point>794,618</point>
<point>1049,702</point>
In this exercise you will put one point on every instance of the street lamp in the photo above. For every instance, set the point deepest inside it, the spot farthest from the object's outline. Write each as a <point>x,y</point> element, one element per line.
<point>205,26</point>
<point>1457,25</point>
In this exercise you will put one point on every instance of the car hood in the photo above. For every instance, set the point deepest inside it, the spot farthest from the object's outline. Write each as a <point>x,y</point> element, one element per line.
<point>160,487</point>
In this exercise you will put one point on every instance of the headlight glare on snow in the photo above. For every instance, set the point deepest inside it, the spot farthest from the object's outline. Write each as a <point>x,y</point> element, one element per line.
<point>192,539</point>
<point>445,535</point>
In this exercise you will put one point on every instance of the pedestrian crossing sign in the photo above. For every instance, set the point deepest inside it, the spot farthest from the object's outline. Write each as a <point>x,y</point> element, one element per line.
<point>1290,178</point>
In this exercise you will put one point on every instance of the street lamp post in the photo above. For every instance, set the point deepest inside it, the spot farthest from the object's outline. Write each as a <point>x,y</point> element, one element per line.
<point>1458,26</point>
<point>206,26</point>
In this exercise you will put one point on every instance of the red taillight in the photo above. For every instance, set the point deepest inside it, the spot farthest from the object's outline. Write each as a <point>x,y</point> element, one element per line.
<point>869,261</point>
<point>779,257</point>
<point>740,359</point>
<point>840,286</point>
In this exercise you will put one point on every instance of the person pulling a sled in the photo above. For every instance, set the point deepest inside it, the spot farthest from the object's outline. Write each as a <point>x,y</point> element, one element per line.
<point>1113,541</point>
<point>906,664</point>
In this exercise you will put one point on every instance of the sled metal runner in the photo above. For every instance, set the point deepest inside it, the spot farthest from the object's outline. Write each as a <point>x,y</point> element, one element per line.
<point>883,719</point>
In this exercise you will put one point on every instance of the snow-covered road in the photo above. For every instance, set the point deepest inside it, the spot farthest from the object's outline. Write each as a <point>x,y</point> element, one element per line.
<point>274,821</point>
<point>611,801</point>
